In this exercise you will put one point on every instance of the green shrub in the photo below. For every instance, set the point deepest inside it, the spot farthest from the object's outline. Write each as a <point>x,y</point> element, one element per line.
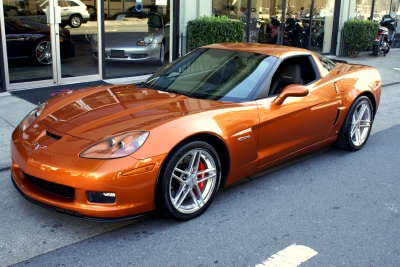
<point>359,35</point>
<point>209,30</point>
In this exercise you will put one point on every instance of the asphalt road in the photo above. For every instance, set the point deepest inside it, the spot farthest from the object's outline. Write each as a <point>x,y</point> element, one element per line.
<point>344,206</point>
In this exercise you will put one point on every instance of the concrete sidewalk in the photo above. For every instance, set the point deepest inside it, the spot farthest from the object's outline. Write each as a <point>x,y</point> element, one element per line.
<point>13,109</point>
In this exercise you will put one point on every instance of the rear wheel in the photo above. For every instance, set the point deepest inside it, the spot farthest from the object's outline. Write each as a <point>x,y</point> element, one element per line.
<point>375,50</point>
<point>189,180</point>
<point>357,125</point>
<point>42,52</point>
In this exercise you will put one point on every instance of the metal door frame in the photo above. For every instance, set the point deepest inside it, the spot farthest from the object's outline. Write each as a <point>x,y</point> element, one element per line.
<point>56,56</point>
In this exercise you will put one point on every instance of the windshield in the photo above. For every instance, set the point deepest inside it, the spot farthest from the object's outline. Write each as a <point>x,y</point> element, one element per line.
<point>215,74</point>
<point>150,20</point>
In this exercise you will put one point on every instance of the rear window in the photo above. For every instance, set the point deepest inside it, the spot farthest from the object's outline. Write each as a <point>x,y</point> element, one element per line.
<point>326,62</point>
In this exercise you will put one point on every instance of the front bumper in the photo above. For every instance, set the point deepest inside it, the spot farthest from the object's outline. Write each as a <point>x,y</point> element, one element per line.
<point>148,53</point>
<point>134,194</point>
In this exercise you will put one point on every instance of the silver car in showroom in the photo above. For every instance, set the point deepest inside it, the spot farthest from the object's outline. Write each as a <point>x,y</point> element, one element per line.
<point>134,36</point>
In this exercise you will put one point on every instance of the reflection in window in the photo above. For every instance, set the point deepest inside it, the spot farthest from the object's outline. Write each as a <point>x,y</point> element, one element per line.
<point>215,74</point>
<point>363,9</point>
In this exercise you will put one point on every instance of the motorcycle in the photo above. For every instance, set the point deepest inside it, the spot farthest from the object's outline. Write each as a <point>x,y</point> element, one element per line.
<point>385,37</point>
<point>295,34</point>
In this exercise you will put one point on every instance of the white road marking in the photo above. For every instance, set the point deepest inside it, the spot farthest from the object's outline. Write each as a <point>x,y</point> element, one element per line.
<point>291,256</point>
<point>396,68</point>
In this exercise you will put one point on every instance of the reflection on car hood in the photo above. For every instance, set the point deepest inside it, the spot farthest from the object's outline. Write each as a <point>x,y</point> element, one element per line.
<point>102,111</point>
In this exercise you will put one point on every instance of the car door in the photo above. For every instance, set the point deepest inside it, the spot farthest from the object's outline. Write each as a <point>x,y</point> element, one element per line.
<point>15,39</point>
<point>65,9</point>
<point>298,122</point>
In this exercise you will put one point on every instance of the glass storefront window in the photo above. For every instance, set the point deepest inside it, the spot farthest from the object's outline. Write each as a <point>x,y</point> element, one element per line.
<point>136,39</point>
<point>363,9</point>
<point>239,10</point>
<point>29,37</point>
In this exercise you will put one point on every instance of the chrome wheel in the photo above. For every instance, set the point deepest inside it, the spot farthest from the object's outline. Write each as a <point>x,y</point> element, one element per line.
<point>193,181</point>
<point>75,21</point>
<point>357,125</point>
<point>43,52</point>
<point>189,180</point>
<point>360,123</point>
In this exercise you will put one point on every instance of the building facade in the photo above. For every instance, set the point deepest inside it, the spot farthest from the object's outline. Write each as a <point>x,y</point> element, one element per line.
<point>57,42</point>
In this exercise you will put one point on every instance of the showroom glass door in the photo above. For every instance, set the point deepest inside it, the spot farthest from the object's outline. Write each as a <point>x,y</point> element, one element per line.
<point>44,43</point>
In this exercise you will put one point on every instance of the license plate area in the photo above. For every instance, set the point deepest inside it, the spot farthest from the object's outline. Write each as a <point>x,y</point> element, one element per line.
<point>117,53</point>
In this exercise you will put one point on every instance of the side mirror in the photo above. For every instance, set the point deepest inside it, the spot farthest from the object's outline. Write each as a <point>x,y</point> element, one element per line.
<point>294,90</point>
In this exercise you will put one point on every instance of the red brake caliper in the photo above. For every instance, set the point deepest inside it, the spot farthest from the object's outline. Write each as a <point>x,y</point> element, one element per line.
<point>201,167</point>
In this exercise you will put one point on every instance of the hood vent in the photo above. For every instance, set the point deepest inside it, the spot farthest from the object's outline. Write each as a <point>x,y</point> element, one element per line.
<point>57,137</point>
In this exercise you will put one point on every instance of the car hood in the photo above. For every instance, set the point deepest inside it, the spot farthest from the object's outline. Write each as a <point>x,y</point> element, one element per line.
<point>99,112</point>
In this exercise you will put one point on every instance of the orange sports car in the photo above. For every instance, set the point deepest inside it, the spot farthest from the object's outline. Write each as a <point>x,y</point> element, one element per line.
<point>212,117</point>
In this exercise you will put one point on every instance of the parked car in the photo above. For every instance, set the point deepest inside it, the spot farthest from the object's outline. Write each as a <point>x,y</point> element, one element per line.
<point>93,13</point>
<point>73,12</point>
<point>134,36</point>
<point>30,40</point>
<point>212,117</point>
<point>10,11</point>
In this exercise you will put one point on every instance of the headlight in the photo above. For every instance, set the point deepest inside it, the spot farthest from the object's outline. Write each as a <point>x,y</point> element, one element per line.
<point>94,38</point>
<point>117,146</point>
<point>146,40</point>
<point>31,117</point>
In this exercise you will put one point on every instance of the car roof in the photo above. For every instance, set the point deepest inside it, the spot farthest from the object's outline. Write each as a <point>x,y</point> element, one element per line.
<point>267,49</point>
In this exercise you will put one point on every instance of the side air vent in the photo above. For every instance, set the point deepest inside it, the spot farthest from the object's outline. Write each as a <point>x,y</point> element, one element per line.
<point>337,117</point>
<point>57,137</point>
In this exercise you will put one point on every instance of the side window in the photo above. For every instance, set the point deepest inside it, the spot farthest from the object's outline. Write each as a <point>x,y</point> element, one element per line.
<point>63,3</point>
<point>72,3</point>
<point>295,70</point>
<point>326,62</point>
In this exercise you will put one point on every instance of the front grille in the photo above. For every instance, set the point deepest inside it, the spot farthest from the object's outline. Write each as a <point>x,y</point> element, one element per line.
<point>57,189</point>
<point>133,56</point>
<point>57,137</point>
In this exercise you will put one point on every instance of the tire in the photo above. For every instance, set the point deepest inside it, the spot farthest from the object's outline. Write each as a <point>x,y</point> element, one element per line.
<point>183,193</point>
<point>375,50</point>
<point>42,52</point>
<point>75,21</point>
<point>388,50</point>
<point>161,59</point>
<point>357,125</point>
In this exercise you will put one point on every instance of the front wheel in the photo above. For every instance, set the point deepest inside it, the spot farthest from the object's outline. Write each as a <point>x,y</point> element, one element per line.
<point>189,180</point>
<point>357,125</point>
<point>42,52</point>
<point>387,49</point>
<point>75,21</point>
<point>375,50</point>
<point>161,59</point>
